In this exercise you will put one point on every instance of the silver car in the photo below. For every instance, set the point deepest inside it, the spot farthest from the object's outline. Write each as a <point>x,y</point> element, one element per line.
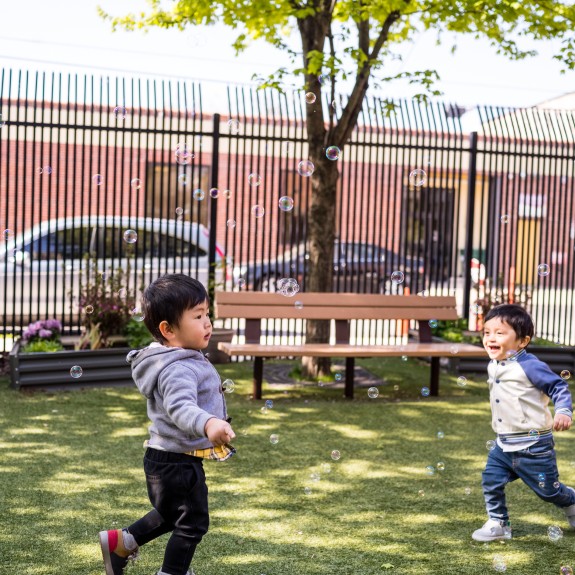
<point>41,269</point>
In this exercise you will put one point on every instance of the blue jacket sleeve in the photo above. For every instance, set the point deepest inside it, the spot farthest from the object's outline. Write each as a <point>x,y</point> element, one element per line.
<point>542,377</point>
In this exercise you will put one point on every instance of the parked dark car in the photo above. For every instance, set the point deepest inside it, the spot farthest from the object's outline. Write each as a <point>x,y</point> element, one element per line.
<point>357,267</point>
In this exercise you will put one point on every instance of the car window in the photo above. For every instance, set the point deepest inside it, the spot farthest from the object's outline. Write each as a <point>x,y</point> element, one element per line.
<point>60,245</point>
<point>111,244</point>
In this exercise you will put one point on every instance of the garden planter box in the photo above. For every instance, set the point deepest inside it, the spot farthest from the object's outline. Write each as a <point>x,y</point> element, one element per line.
<point>51,370</point>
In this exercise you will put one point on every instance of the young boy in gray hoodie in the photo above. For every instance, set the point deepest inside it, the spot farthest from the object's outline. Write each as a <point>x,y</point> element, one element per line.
<point>189,423</point>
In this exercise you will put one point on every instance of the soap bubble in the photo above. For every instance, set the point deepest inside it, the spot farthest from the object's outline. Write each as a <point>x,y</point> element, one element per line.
<point>179,211</point>
<point>556,484</point>
<point>490,445</point>
<point>234,126</point>
<point>231,223</point>
<point>541,476</point>
<point>287,286</point>
<point>555,533</point>
<point>136,183</point>
<point>425,391</point>
<point>285,204</point>
<point>183,179</point>
<point>183,154</point>
<point>274,438</point>
<point>421,493</point>
<point>453,349</point>
<point>307,490</point>
<point>76,371</point>
<point>440,435</point>
<point>7,234</point>
<point>565,374</point>
<point>467,491</point>
<point>199,195</point>
<point>461,381</point>
<point>433,323</point>
<point>298,304</point>
<point>269,403</point>
<point>258,211</point>
<point>214,192</point>
<point>335,455</point>
<point>543,270</point>
<point>533,434</point>
<point>417,178</point>
<point>440,466</point>
<point>315,476</point>
<point>241,283</point>
<point>397,277</point>
<point>338,376</point>
<point>47,170</point>
<point>373,392</point>
<point>264,409</point>
<point>333,153</point>
<point>404,358</point>
<point>310,98</point>
<point>541,484</point>
<point>228,385</point>
<point>430,470</point>
<point>130,236</point>
<point>326,467</point>
<point>137,314</point>
<point>504,219</point>
<point>120,112</point>
<point>305,168</point>
<point>97,179</point>
<point>89,309</point>
<point>566,570</point>
<point>227,194</point>
<point>39,170</point>
<point>499,563</point>
<point>254,179</point>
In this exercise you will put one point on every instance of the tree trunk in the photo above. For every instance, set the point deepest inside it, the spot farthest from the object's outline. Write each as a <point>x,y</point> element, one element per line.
<point>321,237</point>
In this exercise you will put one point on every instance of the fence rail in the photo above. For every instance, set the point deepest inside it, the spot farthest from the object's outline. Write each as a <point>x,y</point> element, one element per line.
<point>486,214</point>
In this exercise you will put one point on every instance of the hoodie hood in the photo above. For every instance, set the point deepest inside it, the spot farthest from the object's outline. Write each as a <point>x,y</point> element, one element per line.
<point>148,363</point>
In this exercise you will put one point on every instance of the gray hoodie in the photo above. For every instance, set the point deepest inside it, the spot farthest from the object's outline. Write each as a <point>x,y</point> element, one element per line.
<point>183,390</point>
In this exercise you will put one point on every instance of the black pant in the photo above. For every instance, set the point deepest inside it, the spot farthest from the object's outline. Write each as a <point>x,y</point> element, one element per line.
<point>178,492</point>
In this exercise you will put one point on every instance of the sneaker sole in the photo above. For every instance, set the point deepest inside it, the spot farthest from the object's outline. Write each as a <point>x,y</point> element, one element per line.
<point>486,539</point>
<point>105,546</point>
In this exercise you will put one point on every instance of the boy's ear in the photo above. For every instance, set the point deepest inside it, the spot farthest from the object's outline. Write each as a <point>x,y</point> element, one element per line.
<point>166,330</point>
<point>525,341</point>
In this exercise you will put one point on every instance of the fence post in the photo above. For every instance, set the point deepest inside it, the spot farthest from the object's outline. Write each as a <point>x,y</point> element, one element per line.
<point>468,254</point>
<point>213,208</point>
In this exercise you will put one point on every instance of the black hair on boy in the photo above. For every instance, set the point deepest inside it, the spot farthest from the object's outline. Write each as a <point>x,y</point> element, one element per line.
<point>515,316</point>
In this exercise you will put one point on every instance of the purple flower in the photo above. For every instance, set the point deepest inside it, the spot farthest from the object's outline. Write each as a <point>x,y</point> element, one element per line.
<point>53,324</point>
<point>46,333</point>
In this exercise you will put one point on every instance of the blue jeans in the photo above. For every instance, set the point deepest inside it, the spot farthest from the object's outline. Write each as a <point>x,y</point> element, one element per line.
<point>178,492</point>
<point>536,466</point>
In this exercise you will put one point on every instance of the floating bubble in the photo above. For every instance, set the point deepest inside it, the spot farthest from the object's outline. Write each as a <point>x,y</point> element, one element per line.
<point>298,304</point>
<point>533,434</point>
<point>372,392</point>
<point>543,270</point>
<point>310,98</point>
<point>338,376</point>
<point>285,204</point>
<point>231,223</point>
<point>404,358</point>
<point>122,293</point>
<point>453,349</point>
<point>89,309</point>
<point>269,403</point>
<point>258,211</point>
<point>556,484</point>
<point>227,194</point>
<point>234,126</point>
<point>305,168</point>
<point>324,79</point>
<point>130,236</point>
<point>490,445</point>
<point>254,179</point>
<point>417,178</point>
<point>511,354</point>
<point>199,195</point>
<point>326,467</point>
<point>47,170</point>
<point>440,435</point>
<point>7,234</point>
<point>287,286</point>
<point>541,484</point>
<point>541,476</point>
<point>396,387</point>
<point>499,563</point>
<point>555,533</point>
<point>76,371</point>
<point>179,211</point>
<point>335,455</point>
<point>467,491</point>
<point>264,409</point>
<point>183,179</point>
<point>214,192</point>
<point>566,570</point>
<point>39,170</point>
<point>430,470</point>
<point>461,381</point>
<point>120,112</point>
<point>307,490</point>
<point>184,154</point>
<point>425,391</point>
<point>241,283</point>
<point>504,219</point>
<point>136,183</point>
<point>421,493</point>
<point>315,476</point>
<point>97,179</point>
<point>137,314</point>
<point>565,374</point>
<point>433,323</point>
<point>440,466</point>
<point>333,153</point>
<point>274,438</point>
<point>397,277</point>
<point>228,385</point>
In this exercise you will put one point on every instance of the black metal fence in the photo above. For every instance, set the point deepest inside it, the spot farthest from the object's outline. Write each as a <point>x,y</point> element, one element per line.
<point>136,169</point>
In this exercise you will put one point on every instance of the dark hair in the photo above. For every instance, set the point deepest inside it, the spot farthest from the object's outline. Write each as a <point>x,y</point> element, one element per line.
<point>167,298</point>
<point>515,316</point>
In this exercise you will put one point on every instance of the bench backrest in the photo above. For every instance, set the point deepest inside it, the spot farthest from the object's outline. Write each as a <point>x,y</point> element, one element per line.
<point>342,307</point>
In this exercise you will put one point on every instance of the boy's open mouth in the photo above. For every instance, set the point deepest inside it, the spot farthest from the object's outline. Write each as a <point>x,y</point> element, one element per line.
<point>494,347</point>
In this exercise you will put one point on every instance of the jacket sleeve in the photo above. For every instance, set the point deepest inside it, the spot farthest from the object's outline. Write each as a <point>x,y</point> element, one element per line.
<point>542,377</point>
<point>178,385</point>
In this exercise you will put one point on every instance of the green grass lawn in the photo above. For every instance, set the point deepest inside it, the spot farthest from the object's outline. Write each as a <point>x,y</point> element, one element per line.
<point>72,465</point>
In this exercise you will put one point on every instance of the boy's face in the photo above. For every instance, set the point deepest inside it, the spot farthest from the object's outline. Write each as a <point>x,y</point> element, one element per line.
<point>500,340</point>
<point>194,330</point>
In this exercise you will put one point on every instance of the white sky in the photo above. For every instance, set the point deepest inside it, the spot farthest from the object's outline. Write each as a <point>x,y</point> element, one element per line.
<point>68,36</point>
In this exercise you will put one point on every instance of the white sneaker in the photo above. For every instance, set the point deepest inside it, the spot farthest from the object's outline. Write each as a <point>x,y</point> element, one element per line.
<point>570,512</point>
<point>493,530</point>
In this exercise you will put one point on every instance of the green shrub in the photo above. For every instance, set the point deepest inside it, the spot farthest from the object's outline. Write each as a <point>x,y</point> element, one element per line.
<point>137,334</point>
<point>43,345</point>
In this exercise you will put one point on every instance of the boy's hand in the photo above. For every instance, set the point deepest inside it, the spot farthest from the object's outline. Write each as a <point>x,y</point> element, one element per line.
<point>219,431</point>
<point>561,422</point>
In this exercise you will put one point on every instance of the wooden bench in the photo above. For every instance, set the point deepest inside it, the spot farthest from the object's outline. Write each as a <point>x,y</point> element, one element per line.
<point>341,307</point>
